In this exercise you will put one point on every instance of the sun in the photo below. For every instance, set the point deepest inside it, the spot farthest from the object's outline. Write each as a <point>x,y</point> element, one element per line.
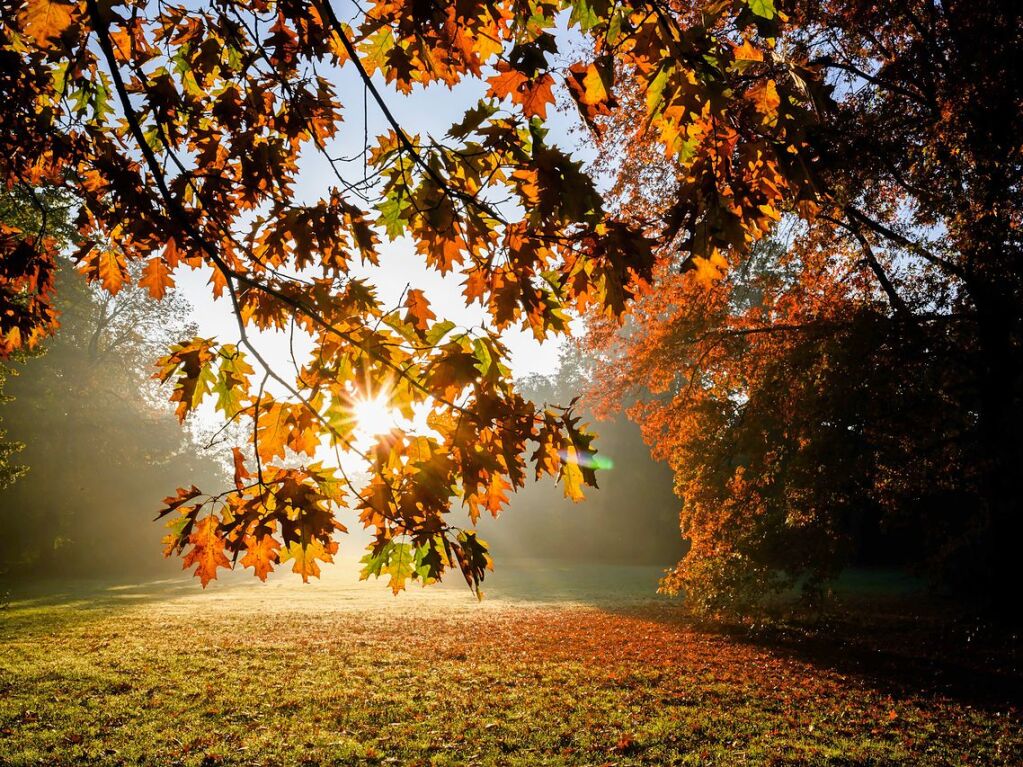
<point>373,417</point>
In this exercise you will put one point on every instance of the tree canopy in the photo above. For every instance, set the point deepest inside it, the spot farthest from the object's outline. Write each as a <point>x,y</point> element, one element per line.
<point>90,434</point>
<point>886,135</point>
<point>180,130</point>
<point>856,376</point>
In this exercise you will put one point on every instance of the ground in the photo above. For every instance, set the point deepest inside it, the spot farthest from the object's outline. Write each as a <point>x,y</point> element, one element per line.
<point>559,666</point>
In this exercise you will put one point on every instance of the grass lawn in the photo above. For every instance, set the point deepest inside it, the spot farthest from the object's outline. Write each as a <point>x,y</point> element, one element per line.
<point>558,666</point>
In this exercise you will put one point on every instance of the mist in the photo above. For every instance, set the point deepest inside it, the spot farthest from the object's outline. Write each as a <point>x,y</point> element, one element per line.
<point>632,518</point>
<point>99,445</point>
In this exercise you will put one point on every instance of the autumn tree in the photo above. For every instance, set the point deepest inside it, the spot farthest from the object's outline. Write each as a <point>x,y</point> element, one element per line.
<point>19,211</point>
<point>887,133</point>
<point>88,431</point>
<point>859,373</point>
<point>9,469</point>
<point>180,130</point>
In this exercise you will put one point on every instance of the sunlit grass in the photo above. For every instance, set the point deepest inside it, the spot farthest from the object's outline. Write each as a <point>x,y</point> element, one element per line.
<point>545,672</point>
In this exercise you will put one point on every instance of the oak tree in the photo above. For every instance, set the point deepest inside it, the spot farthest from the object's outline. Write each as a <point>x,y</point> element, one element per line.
<point>885,134</point>
<point>180,130</point>
<point>859,373</point>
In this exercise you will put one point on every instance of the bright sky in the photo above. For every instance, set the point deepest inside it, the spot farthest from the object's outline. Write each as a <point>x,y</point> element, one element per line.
<point>426,111</point>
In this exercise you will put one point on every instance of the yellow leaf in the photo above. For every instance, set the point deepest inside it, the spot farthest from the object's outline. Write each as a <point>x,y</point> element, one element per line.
<point>337,47</point>
<point>594,91</point>
<point>305,558</point>
<point>572,475</point>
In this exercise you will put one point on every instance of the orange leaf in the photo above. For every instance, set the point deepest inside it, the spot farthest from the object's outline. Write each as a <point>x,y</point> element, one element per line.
<point>495,497</point>
<point>43,20</point>
<point>219,281</point>
<point>419,313</point>
<point>746,52</point>
<point>171,254</point>
<point>261,555</point>
<point>710,270</point>
<point>534,95</point>
<point>765,97</point>
<point>506,82</point>
<point>106,267</point>
<point>207,550</point>
<point>240,472</point>
<point>537,96</point>
<point>156,278</point>
<point>112,270</point>
<point>475,285</point>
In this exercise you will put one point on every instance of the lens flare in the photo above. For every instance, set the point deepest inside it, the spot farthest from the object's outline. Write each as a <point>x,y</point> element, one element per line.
<point>591,460</point>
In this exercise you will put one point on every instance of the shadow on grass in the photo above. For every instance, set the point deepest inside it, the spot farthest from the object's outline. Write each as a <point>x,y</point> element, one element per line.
<point>898,642</point>
<point>63,602</point>
<point>898,645</point>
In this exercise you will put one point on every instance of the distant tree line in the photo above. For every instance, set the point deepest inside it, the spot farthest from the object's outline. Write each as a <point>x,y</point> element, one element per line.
<point>631,518</point>
<point>87,443</point>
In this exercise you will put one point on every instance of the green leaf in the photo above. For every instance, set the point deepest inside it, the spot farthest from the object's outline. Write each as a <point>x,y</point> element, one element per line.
<point>584,15</point>
<point>394,214</point>
<point>394,321</point>
<point>232,382</point>
<point>396,560</point>
<point>763,8</point>
<point>59,74</point>
<point>614,27</point>
<point>438,330</point>
<point>482,351</point>
<point>430,560</point>
<point>375,49</point>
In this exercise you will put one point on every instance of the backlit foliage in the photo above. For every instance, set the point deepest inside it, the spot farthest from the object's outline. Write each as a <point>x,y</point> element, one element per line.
<point>181,130</point>
<point>860,373</point>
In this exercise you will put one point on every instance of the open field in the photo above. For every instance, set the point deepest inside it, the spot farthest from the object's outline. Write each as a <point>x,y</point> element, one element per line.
<point>558,666</point>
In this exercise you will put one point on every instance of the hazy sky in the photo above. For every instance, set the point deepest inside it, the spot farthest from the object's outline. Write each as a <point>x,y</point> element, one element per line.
<point>426,111</point>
